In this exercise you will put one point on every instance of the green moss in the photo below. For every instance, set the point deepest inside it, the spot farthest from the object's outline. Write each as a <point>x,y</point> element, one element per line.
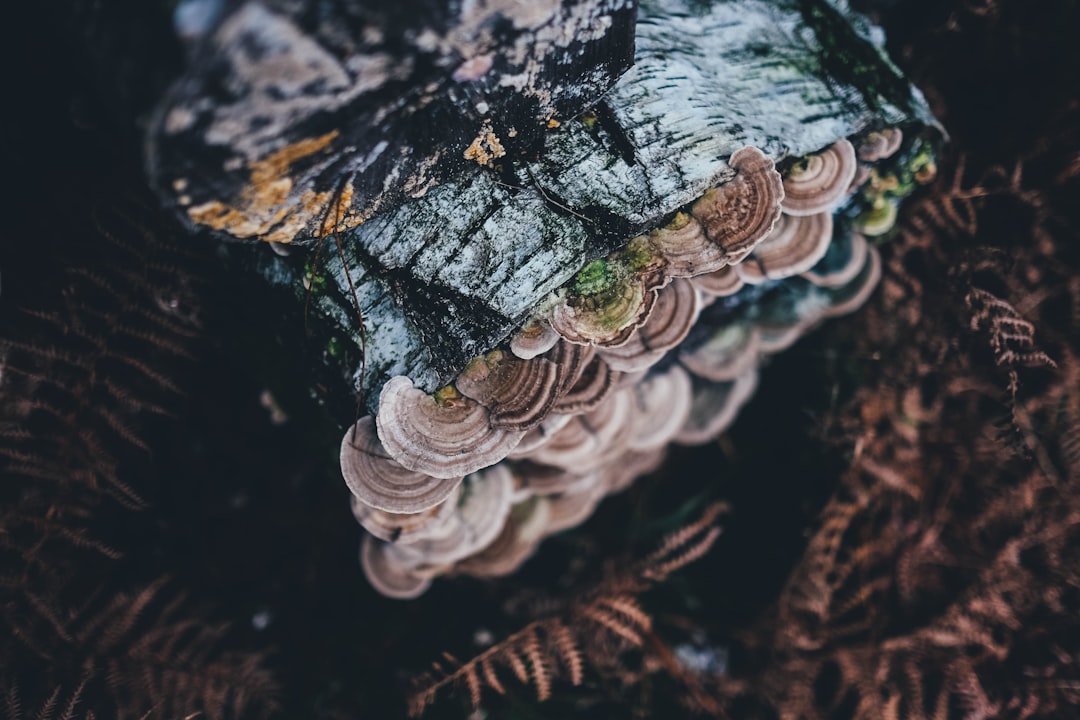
<point>594,278</point>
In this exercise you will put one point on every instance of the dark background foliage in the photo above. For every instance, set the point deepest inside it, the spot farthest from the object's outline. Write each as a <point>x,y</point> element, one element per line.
<point>904,519</point>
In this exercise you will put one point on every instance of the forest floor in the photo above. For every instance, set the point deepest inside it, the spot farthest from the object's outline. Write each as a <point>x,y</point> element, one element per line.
<point>902,536</point>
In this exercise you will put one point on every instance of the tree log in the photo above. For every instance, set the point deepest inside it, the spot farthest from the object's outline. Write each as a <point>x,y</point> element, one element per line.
<point>450,274</point>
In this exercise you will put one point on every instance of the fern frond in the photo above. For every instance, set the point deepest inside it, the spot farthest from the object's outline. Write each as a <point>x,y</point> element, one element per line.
<point>609,616</point>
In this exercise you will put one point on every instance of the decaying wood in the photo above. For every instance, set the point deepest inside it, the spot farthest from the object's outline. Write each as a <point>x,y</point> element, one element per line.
<point>450,274</point>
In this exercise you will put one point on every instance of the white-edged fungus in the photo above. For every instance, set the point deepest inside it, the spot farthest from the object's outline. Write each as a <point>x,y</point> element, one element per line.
<point>517,393</point>
<point>536,338</point>
<point>661,405</point>
<point>379,481</point>
<point>588,441</point>
<point>539,435</point>
<point>794,246</point>
<point>478,519</point>
<point>595,382</point>
<point>850,297</point>
<point>632,465</point>
<point>714,408</point>
<point>515,543</point>
<point>729,352</point>
<point>607,317</point>
<point>738,214</point>
<point>880,144</point>
<point>818,182</point>
<point>548,480</point>
<point>570,509</point>
<point>404,528</point>
<point>719,283</point>
<point>845,258</point>
<point>446,435</point>
<point>676,311</point>
<point>386,574</point>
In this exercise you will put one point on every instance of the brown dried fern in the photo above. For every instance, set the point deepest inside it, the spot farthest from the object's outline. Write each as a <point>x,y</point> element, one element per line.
<point>605,620</point>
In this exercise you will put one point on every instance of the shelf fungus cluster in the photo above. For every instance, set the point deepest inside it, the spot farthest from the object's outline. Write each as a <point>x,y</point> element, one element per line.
<point>658,342</point>
<point>541,241</point>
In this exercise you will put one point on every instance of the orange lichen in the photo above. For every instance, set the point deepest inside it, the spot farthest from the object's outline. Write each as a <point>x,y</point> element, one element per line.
<point>485,147</point>
<point>263,209</point>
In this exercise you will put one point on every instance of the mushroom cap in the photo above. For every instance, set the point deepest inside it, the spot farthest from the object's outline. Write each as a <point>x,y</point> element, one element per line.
<point>548,480</point>
<point>517,393</point>
<point>386,574</point>
<point>404,528</point>
<point>878,220</point>
<point>571,359</point>
<point>880,144</point>
<point>719,283</point>
<point>515,543</point>
<point>845,258</point>
<point>380,482</point>
<point>736,215</point>
<point>676,311</point>
<point>819,182</point>
<point>539,435</point>
<point>714,408</point>
<point>570,509</point>
<point>449,436</point>
<point>632,465</point>
<point>536,338</point>
<point>478,519</point>
<point>661,405</point>
<point>588,441</point>
<point>596,381</point>
<point>786,317</point>
<point>794,246</point>
<point>730,351</point>
<point>608,317</point>
<point>851,296</point>
<point>683,244</point>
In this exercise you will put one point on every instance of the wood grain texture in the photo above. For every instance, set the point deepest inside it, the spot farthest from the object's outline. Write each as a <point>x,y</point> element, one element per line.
<point>449,275</point>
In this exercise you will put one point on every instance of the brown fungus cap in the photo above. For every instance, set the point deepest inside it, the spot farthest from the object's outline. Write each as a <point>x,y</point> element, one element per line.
<point>596,381</point>
<point>517,393</point>
<point>380,482</point>
<point>387,574</point>
<point>447,435</point>
<point>589,441</point>
<point>632,465</point>
<point>794,246</point>
<point>719,283</point>
<point>477,521</point>
<point>571,360</point>
<point>730,351</point>
<point>738,214</point>
<point>844,273</point>
<point>818,182</point>
<point>515,544</point>
<point>539,435</point>
<point>676,311</point>
<point>714,408</point>
<point>661,406</point>
<point>536,338</point>
<point>570,509</point>
<point>404,528</point>
<point>880,144</point>
<point>683,244</point>
<point>607,318</point>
